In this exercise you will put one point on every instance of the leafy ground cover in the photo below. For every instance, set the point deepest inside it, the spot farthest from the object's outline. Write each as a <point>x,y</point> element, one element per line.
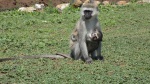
<point>126,47</point>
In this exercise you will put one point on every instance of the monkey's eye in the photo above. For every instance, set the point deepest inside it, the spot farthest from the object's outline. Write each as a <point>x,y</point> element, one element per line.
<point>88,12</point>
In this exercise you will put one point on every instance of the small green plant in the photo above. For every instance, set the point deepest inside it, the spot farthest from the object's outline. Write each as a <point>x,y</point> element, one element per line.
<point>125,46</point>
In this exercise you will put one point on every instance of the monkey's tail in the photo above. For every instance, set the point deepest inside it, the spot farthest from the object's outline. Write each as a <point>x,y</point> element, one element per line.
<point>56,56</point>
<point>64,55</point>
<point>6,59</point>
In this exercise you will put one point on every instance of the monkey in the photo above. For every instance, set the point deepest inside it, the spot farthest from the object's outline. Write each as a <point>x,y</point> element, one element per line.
<point>94,36</point>
<point>85,41</point>
<point>86,38</point>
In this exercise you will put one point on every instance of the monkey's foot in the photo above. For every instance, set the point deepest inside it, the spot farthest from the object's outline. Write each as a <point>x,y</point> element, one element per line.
<point>95,57</point>
<point>101,58</point>
<point>88,60</point>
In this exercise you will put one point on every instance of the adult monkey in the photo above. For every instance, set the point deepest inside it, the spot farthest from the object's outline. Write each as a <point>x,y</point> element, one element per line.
<point>87,36</point>
<point>85,39</point>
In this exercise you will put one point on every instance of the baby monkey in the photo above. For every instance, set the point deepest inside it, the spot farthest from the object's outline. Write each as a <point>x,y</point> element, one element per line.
<point>94,36</point>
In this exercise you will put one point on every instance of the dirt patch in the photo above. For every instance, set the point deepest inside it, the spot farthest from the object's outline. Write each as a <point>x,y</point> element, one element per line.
<point>10,4</point>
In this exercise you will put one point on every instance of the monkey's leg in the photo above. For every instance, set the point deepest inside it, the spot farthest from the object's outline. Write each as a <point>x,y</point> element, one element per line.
<point>94,55</point>
<point>84,52</point>
<point>98,51</point>
<point>75,52</point>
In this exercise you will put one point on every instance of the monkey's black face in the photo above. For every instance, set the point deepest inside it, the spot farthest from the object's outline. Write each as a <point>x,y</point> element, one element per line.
<point>88,14</point>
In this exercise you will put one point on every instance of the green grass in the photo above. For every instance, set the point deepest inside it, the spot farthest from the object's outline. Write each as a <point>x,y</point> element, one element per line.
<point>126,47</point>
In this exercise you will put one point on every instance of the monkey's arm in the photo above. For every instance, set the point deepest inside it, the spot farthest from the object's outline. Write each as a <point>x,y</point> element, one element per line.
<point>57,56</point>
<point>98,29</point>
<point>82,43</point>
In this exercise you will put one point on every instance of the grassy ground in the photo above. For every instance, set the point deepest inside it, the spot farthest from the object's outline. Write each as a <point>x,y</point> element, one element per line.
<point>126,47</point>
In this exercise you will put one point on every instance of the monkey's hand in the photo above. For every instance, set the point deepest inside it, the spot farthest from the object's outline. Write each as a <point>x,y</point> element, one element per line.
<point>73,38</point>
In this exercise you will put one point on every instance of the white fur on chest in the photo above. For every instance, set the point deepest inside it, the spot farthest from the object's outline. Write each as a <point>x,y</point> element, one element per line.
<point>90,26</point>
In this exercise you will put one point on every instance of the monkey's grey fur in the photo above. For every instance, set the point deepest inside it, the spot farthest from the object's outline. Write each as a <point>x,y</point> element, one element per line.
<point>85,42</point>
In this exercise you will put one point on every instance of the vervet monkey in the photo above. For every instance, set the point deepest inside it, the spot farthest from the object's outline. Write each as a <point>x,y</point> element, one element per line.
<point>85,41</point>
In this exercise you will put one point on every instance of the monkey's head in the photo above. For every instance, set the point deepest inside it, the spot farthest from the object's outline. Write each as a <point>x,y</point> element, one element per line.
<point>89,10</point>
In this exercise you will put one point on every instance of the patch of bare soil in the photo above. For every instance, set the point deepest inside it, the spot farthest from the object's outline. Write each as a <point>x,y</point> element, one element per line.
<point>10,4</point>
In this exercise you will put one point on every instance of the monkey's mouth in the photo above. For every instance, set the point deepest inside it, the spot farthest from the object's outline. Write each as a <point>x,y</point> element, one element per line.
<point>87,17</point>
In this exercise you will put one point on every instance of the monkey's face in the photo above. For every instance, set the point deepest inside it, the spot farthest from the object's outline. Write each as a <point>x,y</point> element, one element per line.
<point>88,13</point>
